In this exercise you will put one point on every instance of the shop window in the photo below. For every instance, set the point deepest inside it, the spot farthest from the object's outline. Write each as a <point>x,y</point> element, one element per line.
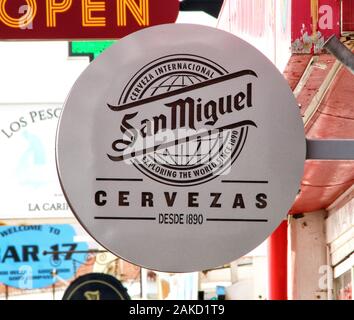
<point>343,286</point>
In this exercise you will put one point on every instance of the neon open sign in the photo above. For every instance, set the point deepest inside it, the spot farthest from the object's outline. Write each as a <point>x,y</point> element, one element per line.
<point>81,19</point>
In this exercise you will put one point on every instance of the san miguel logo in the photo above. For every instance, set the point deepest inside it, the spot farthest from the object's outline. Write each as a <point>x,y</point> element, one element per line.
<point>171,132</point>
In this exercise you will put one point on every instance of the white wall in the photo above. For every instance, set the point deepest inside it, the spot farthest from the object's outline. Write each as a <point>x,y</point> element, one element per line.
<point>307,256</point>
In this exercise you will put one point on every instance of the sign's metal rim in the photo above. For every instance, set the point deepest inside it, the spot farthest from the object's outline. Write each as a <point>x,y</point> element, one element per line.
<point>299,145</point>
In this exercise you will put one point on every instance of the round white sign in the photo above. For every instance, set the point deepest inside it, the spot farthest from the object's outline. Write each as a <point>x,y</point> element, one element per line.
<point>181,148</point>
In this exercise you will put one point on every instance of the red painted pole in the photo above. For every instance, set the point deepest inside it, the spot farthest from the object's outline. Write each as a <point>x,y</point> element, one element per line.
<point>278,263</point>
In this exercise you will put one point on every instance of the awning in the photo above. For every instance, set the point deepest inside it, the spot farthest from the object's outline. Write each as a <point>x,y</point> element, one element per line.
<point>325,93</point>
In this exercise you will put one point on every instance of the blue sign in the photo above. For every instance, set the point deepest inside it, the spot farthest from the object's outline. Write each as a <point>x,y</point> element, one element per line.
<point>33,257</point>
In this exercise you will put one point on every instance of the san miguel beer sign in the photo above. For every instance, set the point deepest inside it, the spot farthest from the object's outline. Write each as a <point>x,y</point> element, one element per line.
<point>81,19</point>
<point>183,156</point>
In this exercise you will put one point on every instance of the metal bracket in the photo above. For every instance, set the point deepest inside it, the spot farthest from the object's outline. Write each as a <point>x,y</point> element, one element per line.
<point>341,52</point>
<point>329,149</point>
<point>211,7</point>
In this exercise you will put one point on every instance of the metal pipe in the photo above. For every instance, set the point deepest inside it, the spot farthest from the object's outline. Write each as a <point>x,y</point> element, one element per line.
<point>329,149</point>
<point>340,51</point>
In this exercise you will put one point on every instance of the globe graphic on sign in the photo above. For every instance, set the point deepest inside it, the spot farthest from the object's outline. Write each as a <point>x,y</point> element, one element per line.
<point>174,82</point>
<point>185,153</point>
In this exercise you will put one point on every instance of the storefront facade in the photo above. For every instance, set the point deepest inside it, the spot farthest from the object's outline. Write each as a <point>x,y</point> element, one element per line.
<point>320,225</point>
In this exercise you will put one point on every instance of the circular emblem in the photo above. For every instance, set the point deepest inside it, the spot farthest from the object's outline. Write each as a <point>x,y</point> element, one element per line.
<point>180,148</point>
<point>96,286</point>
<point>182,161</point>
